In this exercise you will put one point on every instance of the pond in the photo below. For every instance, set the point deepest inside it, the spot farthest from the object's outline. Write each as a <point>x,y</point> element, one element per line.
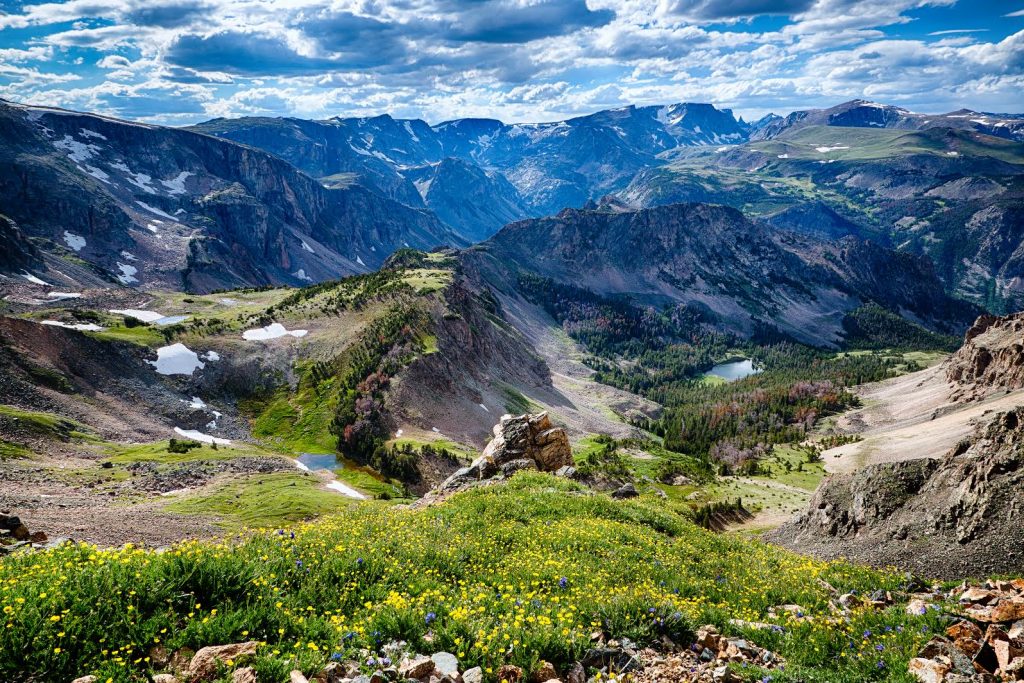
<point>734,370</point>
<point>319,461</point>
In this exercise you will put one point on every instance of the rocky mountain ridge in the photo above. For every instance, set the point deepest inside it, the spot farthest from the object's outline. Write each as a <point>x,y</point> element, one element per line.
<point>147,206</point>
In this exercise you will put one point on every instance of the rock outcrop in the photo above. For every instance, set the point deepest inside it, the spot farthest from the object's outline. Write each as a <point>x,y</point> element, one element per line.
<point>528,441</point>
<point>959,515</point>
<point>991,359</point>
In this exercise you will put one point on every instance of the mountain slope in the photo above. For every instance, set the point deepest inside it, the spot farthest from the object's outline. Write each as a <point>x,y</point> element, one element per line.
<point>714,258</point>
<point>866,114</point>
<point>160,207</point>
<point>473,202</point>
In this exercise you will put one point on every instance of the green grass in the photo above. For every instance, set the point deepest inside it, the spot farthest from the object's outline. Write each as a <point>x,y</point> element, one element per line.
<point>368,481</point>
<point>298,422</point>
<point>265,500</point>
<point>46,425</point>
<point>512,573</point>
<point>9,449</point>
<point>157,452</point>
<point>143,335</point>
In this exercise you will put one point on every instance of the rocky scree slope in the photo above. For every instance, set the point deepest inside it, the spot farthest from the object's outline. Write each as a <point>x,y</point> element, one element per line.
<point>956,516</point>
<point>159,207</point>
<point>741,274</point>
<point>990,360</point>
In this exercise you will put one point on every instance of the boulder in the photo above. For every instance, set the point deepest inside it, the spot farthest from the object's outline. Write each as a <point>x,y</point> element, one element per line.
<point>627,490</point>
<point>416,667</point>
<point>445,663</point>
<point>545,672</point>
<point>246,674</point>
<point>929,670</point>
<point>171,678</point>
<point>510,674</point>
<point>204,663</point>
<point>532,437</point>
<point>474,675</point>
<point>84,679</point>
<point>296,676</point>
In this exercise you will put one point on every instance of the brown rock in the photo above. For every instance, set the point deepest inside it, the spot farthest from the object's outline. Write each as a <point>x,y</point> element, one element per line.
<point>165,678</point>
<point>929,670</point>
<point>85,679</point>
<point>244,675</point>
<point>1008,610</point>
<point>532,437</point>
<point>204,663</point>
<point>545,672</point>
<point>964,629</point>
<point>1017,630</point>
<point>417,667</point>
<point>296,676</point>
<point>510,673</point>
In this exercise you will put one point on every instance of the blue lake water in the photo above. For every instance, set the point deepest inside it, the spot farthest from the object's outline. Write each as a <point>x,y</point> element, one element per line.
<point>734,370</point>
<point>320,461</point>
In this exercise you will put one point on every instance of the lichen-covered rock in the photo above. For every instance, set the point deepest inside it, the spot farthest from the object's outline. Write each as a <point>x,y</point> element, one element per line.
<point>205,661</point>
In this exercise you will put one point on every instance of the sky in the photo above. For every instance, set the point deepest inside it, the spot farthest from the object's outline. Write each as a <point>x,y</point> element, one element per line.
<point>182,61</point>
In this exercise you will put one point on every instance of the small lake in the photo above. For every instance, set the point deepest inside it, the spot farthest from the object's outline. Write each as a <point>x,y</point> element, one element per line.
<point>319,461</point>
<point>734,370</point>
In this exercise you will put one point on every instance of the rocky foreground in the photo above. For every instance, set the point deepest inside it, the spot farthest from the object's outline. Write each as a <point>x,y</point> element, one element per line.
<point>957,516</point>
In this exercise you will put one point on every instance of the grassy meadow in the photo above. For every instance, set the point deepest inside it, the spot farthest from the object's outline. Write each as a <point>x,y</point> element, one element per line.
<point>513,573</point>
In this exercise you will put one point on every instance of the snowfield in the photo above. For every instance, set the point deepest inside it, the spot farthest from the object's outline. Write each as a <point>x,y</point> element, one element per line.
<point>272,331</point>
<point>176,359</point>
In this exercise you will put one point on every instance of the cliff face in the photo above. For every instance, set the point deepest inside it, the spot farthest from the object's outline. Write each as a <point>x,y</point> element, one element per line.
<point>167,207</point>
<point>957,516</point>
<point>991,359</point>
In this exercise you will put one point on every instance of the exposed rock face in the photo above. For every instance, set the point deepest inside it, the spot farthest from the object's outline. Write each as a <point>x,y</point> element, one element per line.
<point>713,256</point>
<point>528,441</point>
<point>960,515</point>
<point>991,359</point>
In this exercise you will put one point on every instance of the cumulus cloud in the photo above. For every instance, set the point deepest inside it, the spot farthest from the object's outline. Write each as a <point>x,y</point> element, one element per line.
<point>515,59</point>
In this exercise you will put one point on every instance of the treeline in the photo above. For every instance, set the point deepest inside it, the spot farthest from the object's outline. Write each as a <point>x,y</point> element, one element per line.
<point>873,327</point>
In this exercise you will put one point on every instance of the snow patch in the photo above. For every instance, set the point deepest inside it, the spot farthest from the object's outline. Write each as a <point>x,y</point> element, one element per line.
<point>176,359</point>
<point>484,407</point>
<point>301,274</point>
<point>59,296</point>
<point>144,316</point>
<point>306,247</point>
<point>86,133</point>
<point>81,327</point>
<point>359,260</point>
<point>33,279</point>
<point>211,356</point>
<point>128,272</point>
<point>79,152</point>
<point>272,331</point>
<point>177,185</point>
<point>139,180</point>
<point>75,242</point>
<point>783,156</point>
<point>825,150</point>
<point>345,490</point>
<point>199,436</point>
<point>128,255</point>
<point>158,212</point>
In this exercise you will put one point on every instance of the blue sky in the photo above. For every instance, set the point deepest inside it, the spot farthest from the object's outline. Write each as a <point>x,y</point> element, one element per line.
<point>182,61</point>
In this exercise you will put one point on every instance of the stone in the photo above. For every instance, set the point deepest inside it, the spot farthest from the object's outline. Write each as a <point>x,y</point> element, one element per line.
<point>83,679</point>
<point>416,667</point>
<point>531,437</point>
<point>566,471</point>
<point>510,673</point>
<point>474,675</point>
<point>929,670</point>
<point>545,672</point>
<point>1008,610</point>
<point>513,466</point>
<point>576,674</point>
<point>296,677</point>
<point>246,674</point>
<point>445,663</point>
<point>964,629</point>
<point>204,662</point>
<point>171,678</point>
<point>627,490</point>
<point>159,657</point>
<point>1017,630</point>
